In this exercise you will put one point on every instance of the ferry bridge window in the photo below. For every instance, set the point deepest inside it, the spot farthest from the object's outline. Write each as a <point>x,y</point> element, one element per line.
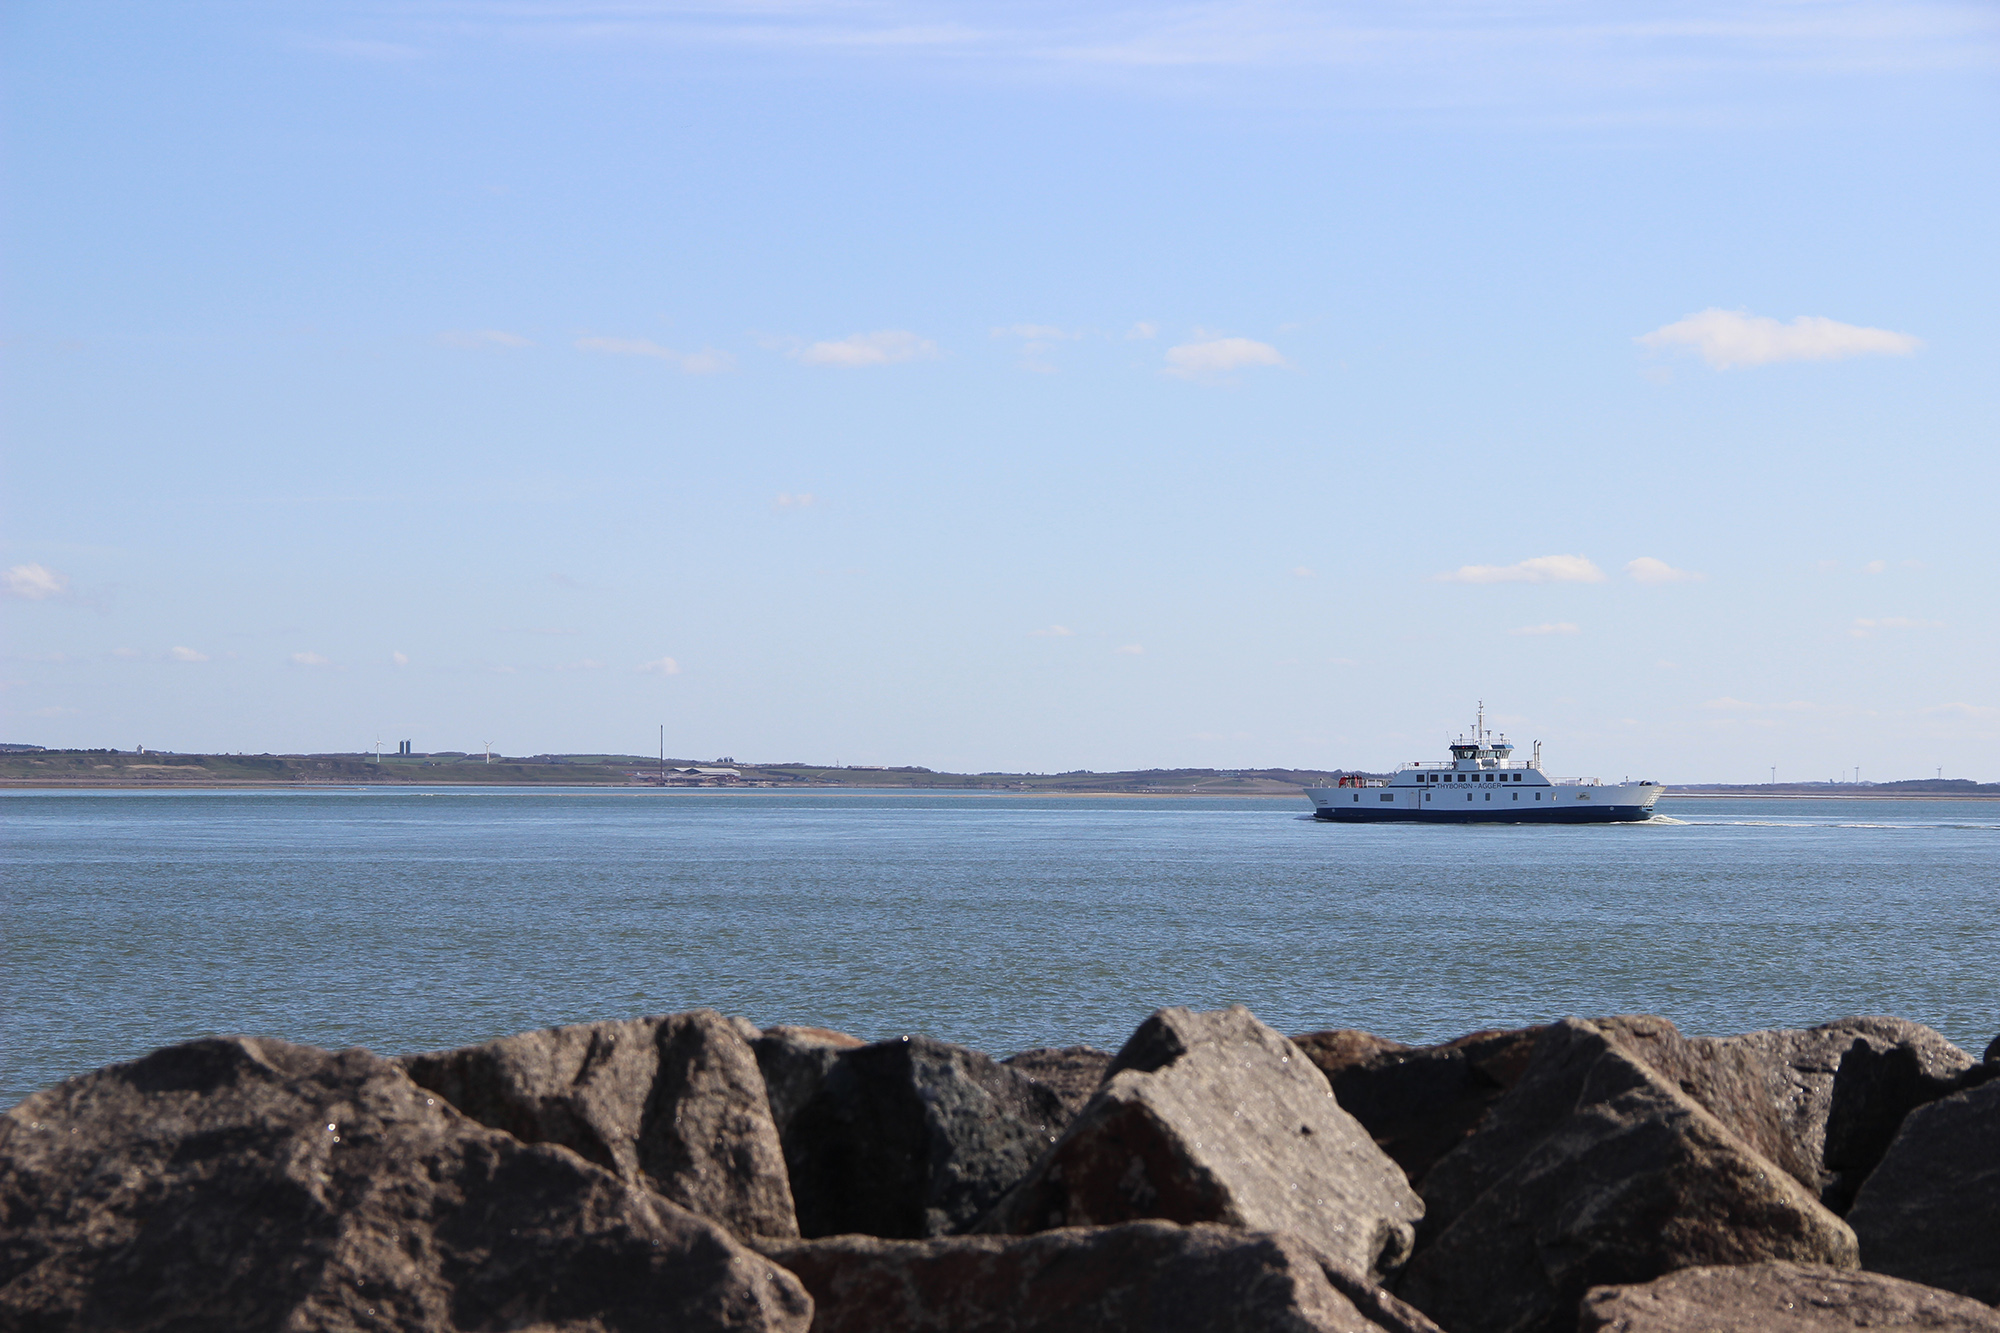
<point>1388,796</point>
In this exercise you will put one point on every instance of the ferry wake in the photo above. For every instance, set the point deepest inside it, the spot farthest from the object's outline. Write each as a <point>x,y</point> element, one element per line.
<point>1483,784</point>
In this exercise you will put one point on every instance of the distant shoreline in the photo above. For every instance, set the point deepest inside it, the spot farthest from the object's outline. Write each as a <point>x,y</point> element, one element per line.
<point>845,789</point>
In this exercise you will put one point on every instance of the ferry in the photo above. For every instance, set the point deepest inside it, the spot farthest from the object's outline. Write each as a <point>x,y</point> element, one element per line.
<point>1483,784</point>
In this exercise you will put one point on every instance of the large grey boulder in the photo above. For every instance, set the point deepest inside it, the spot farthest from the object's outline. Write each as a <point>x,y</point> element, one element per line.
<point>1216,1118</point>
<point>914,1137</point>
<point>676,1103</point>
<point>1593,1170</point>
<point>1073,1073</point>
<point>1780,1298</point>
<point>795,1061</point>
<point>1419,1103</point>
<point>1821,1102</point>
<point>1930,1212</point>
<point>1141,1277</point>
<point>245,1184</point>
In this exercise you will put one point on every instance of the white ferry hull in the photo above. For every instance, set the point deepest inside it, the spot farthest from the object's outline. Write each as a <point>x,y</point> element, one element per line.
<point>1606,803</point>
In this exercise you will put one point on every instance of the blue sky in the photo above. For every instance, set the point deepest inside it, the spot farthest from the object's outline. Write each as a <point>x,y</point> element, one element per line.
<point>1008,386</point>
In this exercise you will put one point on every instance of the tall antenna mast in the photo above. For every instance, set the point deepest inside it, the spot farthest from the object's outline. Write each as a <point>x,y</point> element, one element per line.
<point>1479,727</point>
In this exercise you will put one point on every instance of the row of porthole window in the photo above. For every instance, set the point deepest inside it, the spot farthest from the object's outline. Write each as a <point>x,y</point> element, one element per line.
<point>1489,796</point>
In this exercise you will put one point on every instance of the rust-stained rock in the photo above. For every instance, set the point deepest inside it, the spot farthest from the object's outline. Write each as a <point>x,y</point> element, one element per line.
<point>1779,1297</point>
<point>1594,1170</point>
<point>1216,1118</point>
<point>1140,1277</point>
<point>676,1103</point>
<point>235,1183</point>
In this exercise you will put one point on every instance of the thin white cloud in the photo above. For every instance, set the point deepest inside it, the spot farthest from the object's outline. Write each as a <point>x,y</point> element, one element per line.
<point>1728,705</point>
<point>1864,629</point>
<point>1549,627</point>
<point>707,361</point>
<point>885,347</point>
<point>482,338</point>
<point>33,583</point>
<point>1054,632</point>
<point>125,652</point>
<point>1541,569</point>
<point>1143,329</point>
<point>310,659</point>
<point>1648,570</point>
<point>1729,339</point>
<point>186,655</point>
<point>1691,62</point>
<point>1037,341</point>
<point>400,659</point>
<point>1133,650</point>
<point>590,664</point>
<point>801,500</point>
<point>1302,571</point>
<point>1875,567</point>
<point>1219,356</point>
<point>660,666</point>
<point>1981,712</point>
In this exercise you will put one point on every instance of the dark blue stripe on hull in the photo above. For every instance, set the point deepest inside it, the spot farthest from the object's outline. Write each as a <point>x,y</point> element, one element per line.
<point>1597,814</point>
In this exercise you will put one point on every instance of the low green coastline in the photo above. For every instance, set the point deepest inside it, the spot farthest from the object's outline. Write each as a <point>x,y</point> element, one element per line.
<point>143,769</point>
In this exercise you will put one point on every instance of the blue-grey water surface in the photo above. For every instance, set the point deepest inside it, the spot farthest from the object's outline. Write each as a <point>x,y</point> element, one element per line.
<point>405,919</point>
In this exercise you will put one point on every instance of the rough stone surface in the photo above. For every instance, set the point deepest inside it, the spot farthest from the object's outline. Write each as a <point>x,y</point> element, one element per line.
<point>676,1103</point>
<point>1419,1103</point>
<point>1216,1118</point>
<point>795,1061</point>
<point>1142,1276</point>
<point>914,1137</point>
<point>1071,1072</point>
<point>1821,1102</point>
<point>1337,1049</point>
<point>1780,1298</point>
<point>1931,1211</point>
<point>1992,1055</point>
<point>241,1184</point>
<point>1596,1170</point>
<point>1892,1068</point>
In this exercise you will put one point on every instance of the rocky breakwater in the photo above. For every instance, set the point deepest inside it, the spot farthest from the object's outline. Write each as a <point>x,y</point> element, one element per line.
<point>693,1172</point>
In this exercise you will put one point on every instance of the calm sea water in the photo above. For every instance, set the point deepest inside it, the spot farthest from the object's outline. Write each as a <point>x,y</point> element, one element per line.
<point>407,919</point>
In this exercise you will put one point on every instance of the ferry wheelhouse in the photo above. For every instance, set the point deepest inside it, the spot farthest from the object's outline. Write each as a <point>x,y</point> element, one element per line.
<point>1483,783</point>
